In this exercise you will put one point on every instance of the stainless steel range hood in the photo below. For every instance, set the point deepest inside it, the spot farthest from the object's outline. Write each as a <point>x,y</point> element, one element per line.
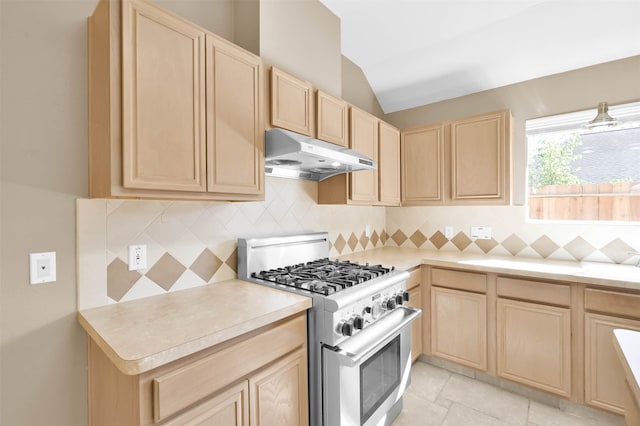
<point>295,156</point>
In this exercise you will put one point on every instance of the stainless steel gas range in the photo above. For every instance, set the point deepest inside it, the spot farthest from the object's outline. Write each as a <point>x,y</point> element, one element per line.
<point>358,327</point>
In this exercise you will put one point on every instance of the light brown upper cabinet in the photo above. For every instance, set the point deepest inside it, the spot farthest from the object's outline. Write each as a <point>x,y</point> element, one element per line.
<point>388,164</point>
<point>292,105</point>
<point>465,161</point>
<point>422,162</point>
<point>481,159</point>
<point>375,139</point>
<point>161,124</point>
<point>235,131</point>
<point>364,139</point>
<point>332,119</point>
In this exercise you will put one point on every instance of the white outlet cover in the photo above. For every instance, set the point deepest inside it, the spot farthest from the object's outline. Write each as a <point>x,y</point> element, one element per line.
<point>42,267</point>
<point>137,257</point>
<point>448,232</point>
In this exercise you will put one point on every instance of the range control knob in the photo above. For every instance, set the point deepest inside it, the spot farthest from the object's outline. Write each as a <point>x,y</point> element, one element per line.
<point>399,299</point>
<point>346,328</point>
<point>405,296</point>
<point>358,322</point>
<point>390,304</point>
<point>374,310</point>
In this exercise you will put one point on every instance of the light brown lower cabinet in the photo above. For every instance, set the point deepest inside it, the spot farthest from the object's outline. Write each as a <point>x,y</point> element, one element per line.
<point>605,385</point>
<point>459,326</point>
<point>257,379</point>
<point>230,408</point>
<point>278,394</point>
<point>534,345</point>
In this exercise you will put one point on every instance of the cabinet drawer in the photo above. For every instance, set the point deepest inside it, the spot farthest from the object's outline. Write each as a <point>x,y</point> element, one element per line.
<point>618,304</point>
<point>535,291</point>
<point>414,278</point>
<point>461,280</point>
<point>182,387</point>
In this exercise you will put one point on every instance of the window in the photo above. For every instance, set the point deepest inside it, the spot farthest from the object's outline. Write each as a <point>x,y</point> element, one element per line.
<point>575,173</point>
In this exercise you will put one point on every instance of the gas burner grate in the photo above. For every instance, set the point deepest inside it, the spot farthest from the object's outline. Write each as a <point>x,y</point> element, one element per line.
<point>323,276</point>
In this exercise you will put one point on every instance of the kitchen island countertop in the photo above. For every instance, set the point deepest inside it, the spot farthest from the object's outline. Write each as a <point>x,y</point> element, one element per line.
<point>143,334</point>
<point>593,273</point>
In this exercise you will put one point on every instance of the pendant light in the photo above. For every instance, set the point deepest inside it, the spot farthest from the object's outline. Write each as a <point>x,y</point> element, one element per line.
<point>603,119</point>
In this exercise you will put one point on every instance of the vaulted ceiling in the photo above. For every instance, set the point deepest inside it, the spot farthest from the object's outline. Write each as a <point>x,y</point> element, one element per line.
<point>417,52</point>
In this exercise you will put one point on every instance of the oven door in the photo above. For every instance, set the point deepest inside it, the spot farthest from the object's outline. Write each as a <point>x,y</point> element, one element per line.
<point>365,376</point>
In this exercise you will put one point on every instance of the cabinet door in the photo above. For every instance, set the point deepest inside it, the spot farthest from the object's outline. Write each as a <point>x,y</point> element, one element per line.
<point>332,120</point>
<point>230,408</point>
<point>235,130</point>
<point>459,327</point>
<point>279,394</point>
<point>364,139</point>
<point>389,164</point>
<point>534,345</point>
<point>163,89</point>
<point>291,103</point>
<point>415,296</point>
<point>480,158</point>
<point>604,376</point>
<point>422,153</point>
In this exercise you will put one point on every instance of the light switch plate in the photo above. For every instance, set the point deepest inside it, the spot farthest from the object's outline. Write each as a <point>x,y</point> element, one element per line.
<point>42,267</point>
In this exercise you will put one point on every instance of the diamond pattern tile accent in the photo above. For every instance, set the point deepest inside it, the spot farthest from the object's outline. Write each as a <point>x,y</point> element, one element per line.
<point>486,245</point>
<point>166,271</point>
<point>353,242</point>
<point>398,237</point>
<point>418,238</point>
<point>384,237</point>
<point>461,241</point>
<point>514,244</point>
<point>232,260</point>
<point>206,265</point>
<point>617,250</point>
<point>438,239</point>
<point>579,248</point>
<point>340,243</point>
<point>544,246</point>
<point>364,240</point>
<point>120,279</point>
<point>375,238</point>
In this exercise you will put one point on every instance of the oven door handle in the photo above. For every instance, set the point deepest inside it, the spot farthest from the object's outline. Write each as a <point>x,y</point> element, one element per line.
<point>371,339</point>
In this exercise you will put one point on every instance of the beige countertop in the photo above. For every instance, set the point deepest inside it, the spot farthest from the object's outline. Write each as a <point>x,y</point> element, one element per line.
<point>627,344</point>
<point>143,334</point>
<point>594,273</point>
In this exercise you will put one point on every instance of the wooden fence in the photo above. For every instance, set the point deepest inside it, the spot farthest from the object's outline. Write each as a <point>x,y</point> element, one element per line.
<point>604,201</point>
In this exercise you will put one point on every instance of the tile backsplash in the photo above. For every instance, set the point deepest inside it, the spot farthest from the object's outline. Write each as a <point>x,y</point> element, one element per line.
<point>512,234</point>
<point>194,243</point>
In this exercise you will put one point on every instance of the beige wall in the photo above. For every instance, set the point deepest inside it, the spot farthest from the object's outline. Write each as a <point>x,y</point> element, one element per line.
<point>302,37</point>
<point>615,82</point>
<point>356,89</point>
<point>44,169</point>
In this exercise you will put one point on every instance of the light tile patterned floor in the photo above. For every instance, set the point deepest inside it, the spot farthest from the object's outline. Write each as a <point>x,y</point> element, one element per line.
<point>439,397</point>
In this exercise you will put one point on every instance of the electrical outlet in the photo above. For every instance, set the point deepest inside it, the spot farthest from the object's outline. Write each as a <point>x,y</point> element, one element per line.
<point>448,232</point>
<point>137,257</point>
<point>481,232</point>
<point>42,267</point>
<point>367,231</point>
